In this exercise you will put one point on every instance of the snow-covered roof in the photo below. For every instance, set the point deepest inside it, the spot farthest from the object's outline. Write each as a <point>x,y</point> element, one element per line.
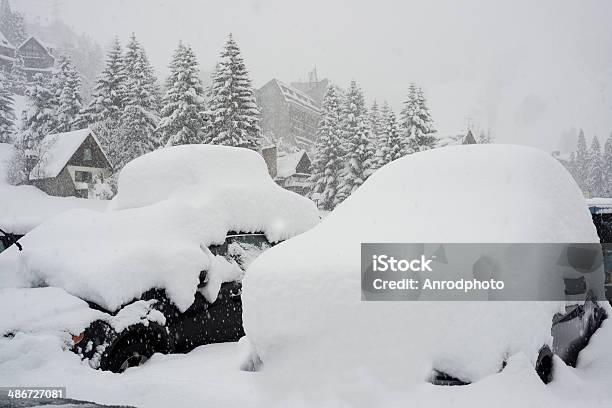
<point>171,203</point>
<point>4,42</point>
<point>57,149</point>
<point>294,95</point>
<point>467,194</point>
<point>286,165</point>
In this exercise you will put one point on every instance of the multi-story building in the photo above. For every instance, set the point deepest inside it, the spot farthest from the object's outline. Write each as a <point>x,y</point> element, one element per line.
<point>288,114</point>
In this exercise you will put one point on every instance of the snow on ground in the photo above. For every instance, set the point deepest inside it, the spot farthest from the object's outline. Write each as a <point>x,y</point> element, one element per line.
<point>171,203</point>
<point>210,375</point>
<point>24,207</point>
<point>302,308</point>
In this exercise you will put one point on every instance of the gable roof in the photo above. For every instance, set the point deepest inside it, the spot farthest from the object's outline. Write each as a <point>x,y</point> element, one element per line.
<point>4,42</point>
<point>58,149</point>
<point>45,47</point>
<point>286,165</point>
<point>293,95</point>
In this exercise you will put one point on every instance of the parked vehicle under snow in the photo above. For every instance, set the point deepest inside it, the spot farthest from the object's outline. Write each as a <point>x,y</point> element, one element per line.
<point>172,248</point>
<point>302,310</point>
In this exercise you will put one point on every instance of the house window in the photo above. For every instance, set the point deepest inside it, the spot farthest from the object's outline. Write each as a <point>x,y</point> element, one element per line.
<point>82,176</point>
<point>87,154</point>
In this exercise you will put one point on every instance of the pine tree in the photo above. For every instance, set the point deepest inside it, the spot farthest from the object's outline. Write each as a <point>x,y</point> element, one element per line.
<point>376,124</point>
<point>607,168</point>
<point>392,147</point>
<point>594,179</point>
<point>416,122</point>
<point>485,138</point>
<point>39,118</point>
<point>233,115</point>
<point>329,158</point>
<point>358,158</point>
<point>140,116</point>
<point>7,115</point>
<point>352,110</point>
<point>18,76</point>
<point>67,84</point>
<point>109,92</point>
<point>12,24</point>
<point>182,115</point>
<point>581,167</point>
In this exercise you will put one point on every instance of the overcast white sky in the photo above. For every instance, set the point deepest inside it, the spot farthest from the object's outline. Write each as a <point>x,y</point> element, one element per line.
<point>528,70</point>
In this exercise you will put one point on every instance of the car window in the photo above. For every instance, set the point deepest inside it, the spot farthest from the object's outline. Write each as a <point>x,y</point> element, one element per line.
<point>242,248</point>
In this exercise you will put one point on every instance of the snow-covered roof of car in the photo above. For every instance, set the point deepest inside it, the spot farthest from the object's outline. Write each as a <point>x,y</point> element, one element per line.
<point>170,203</point>
<point>57,149</point>
<point>302,307</point>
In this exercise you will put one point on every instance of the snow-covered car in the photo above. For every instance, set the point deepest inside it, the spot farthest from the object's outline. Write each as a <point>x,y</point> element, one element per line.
<point>163,264</point>
<point>601,210</point>
<point>306,323</point>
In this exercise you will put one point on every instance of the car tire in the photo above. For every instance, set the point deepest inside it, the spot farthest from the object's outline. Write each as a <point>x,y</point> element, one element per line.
<point>133,351</point>
<point>544,364</point>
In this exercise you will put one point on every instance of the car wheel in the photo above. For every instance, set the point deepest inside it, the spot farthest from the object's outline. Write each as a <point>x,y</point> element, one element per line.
<point>544,364</point>
<point>132,352</point>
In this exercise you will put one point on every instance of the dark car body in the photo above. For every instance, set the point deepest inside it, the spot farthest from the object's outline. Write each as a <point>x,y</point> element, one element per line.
<point>8,239</point>
<point>202,323</point>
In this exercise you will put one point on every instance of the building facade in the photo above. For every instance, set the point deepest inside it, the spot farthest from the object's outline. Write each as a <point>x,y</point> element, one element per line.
<point>69,163</point>
<point>37,58</point>
<point>288,115</point>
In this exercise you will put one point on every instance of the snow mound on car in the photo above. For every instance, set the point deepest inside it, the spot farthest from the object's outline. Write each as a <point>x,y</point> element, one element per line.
<point>170,202</point>
<point>302,308</point>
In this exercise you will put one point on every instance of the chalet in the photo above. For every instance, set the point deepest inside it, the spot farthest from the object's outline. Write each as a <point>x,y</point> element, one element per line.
<point>37,58</point>
<point>7,54</point>
<point>291,170</point>
<point>288,114</point>
<point>68,163</point>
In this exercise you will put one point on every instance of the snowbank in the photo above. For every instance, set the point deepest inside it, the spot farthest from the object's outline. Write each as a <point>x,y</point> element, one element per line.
<point>302,308</point>
<point>169,203</point>
<point>24,207</point>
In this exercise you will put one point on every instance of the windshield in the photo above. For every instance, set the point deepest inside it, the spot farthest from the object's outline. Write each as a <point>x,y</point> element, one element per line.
<point>242,248</point>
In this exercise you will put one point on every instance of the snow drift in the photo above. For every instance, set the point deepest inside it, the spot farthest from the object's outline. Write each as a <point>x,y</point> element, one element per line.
<point>170,202</point>
<point>302,308</point>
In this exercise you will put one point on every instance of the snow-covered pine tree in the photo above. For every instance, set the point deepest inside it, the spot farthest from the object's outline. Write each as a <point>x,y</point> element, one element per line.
<point>18,76</point>
<point>67,84</point>
<point>233,115</point>
<point>39,118</point>
<point>109,92</point>
<point>352,109</point>
<point>392,147</point>
<point>607,168</point>
<point>581,167</point>
<point>183,113</point>
<point>376,124</point>
<point>357,142</point>
<point>416,122</point>
<point>358,158</point>
<point>142,100</point>
<point>7,115</point>
<point>12,24</point>
<point>485,138</point>
<point>594,179</point>
<point>328,162</point>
